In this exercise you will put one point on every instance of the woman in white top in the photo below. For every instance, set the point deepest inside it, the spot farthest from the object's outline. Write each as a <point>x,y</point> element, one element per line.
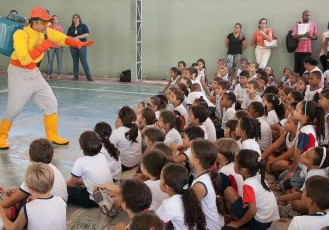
<point>111,153</point>
<point>127,138</point>
<point>182,209</point>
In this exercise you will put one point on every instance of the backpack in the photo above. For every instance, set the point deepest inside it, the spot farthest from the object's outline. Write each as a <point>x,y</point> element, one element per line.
<point>8,26</point>
<point>291,42</point>
<point>125,76</point>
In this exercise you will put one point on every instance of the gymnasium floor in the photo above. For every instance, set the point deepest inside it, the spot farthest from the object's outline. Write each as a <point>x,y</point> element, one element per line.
<point>80,106</point>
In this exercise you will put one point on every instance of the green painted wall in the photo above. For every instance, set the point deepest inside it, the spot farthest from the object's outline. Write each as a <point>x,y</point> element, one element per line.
<point>175,30</point>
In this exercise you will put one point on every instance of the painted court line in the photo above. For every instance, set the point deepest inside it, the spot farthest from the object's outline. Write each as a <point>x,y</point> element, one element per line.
<point>4,90</point>
<point>100,90</point>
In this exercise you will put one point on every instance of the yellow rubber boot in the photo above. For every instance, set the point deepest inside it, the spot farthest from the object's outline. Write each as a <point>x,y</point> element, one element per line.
<point>4,129</point>
<point>51,130</point>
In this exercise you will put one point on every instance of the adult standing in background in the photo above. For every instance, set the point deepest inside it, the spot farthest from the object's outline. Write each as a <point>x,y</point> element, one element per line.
<point>55,49</point>
<point>235,43</point>
<point>322,55</point>
<point>79,32</point>
<point>305,31</point>
<point>261,52</point>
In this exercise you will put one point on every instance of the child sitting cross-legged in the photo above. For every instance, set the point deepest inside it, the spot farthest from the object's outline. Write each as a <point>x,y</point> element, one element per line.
<point>227,102</point>
<point>40,151</point>
<point>44,211</point>
<point>252,95</point>
<point>88,170</point>
<point>229,131</point>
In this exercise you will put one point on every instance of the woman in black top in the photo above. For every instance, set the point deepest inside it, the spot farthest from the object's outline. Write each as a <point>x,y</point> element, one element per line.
<point>80,32</point>
<point>235,43</point>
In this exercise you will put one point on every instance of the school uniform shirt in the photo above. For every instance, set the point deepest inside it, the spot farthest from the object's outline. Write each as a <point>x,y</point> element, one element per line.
<point>173,136</point>
<point>157,114</point>
<point>130,152</point>
<point>319,220</point>
<point>183,112</point>
<point>219,109</point>
<point>59,188</point>
<point>285,81</point>
<point>240,92</point>
<point>266,134</point>
<point>325,139</point>
<point>172,209</point>
<point>312,95</point>
<point>115,165</point>
<point>46,213</point>
<point>214,220</point>
<point>206,137</point>
<point>253,77</point>
<point>266,204</point>
<point>194,95</point>
<point>198,80</point>
<point>93,170</point>
<point>229,171</point>
<point>289,143</point>
<point>225,77</point>
<point>251,144</point>
<point>272,118</point>
<point>246,101</point>
<point>315,172</point>
<point>306,139</point>
<point>210,129</point>
<point>157,195</point>
<point>228,115</point>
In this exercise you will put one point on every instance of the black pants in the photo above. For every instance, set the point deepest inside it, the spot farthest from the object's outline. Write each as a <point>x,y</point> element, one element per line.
<point>80,196</point>
<point>324,62</point>
<point>299,62</point>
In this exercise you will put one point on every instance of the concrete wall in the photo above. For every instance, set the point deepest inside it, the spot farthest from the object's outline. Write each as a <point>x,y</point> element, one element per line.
<point>175,30</point>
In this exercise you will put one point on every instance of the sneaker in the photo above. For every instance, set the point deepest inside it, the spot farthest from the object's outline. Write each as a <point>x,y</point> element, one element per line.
<point>104,201</point>
<point>90,79</point>
<point>59,77</point>
<point>48,78</point>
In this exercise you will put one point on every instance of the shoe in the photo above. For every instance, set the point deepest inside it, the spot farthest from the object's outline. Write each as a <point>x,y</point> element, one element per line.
<point>51,130</point>
<point>4,129</point>
<point>90,79</point>
<point>75,79</point>
<point>104,201</point>
<point>59,77</point>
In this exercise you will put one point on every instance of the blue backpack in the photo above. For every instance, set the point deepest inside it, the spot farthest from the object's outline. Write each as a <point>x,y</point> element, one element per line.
<point>8,26</point>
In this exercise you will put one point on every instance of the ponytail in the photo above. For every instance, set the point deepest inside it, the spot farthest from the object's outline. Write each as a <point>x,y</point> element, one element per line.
<point>220,200</point>
<point>128,118</point>
<point>315,116</point>
<point>111,149</point>
<point>251,126</point>
<point>276,103</point>
<point>261,164</point>
<point>132,134</point>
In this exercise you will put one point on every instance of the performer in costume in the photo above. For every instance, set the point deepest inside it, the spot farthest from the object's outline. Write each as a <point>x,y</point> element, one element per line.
<point>24,78</point>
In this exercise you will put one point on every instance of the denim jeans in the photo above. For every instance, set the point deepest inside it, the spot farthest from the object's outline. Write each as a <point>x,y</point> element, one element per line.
<point>51,56</point>
<point>295,181</point>
<point>82,55</point>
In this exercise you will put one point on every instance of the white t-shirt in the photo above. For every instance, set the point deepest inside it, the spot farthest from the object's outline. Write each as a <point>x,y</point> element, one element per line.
<point>272,118</point>
<point>266,134</point>
<point>157,195</point>
<point>289,143</point>
<point>115,165</point>
<point>246,101</point>
<point>47,214</point>
<point>219,109</point>
<point>93,170</point>
<point>183,112</point>
<point>206,137</point>
<point>59,188</point>
<point>310,222</point>
<point>309,94</point>
<point>130,152</point>
<point>225,77</point>
<point>228,170</point>
<point>326,77</point>
<point>315,172</point>
<point>240,92</point>
<point>210,129</point>
<point>253,77</point>
<point>172,209</point>
<point>266,204</point>
<point>228,115</point>
<point>194,95</point>
<point>213,219</point>
<point>325,139</point>
<point>251,144</point>
<point>173,136</point>
<point>198,80</point>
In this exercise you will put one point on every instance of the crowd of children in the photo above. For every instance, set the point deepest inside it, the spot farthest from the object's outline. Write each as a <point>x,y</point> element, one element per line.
<point>201,150</point>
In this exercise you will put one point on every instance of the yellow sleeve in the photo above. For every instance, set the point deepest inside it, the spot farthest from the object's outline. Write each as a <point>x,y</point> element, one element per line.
<point>56,37</point>
<point>21,47</point>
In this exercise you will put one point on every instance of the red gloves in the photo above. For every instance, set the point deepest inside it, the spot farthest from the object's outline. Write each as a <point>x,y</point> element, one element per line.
<point>78,44</point>
<point>44,46</point>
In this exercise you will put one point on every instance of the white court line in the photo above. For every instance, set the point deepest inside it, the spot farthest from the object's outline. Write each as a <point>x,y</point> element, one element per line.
<point>101,90</point>
<point>4,90</point>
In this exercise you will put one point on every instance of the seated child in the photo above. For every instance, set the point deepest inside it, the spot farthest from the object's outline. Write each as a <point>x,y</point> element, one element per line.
<point>153,135</point>
<point>257,208</point>
<point>196,93</point>
<point>227,102</point>
<point>229,131</point>
<point>198,115</point>
<point>146,220</point>
<point>294,96</point>
<point>253,68</point>
<point>111,153</point>
<point>293,80</point>
<point>220,90</point>
<point>146,119</point>
<point>248,130</point>
<point>88,170</point>
<point>163,148</point>
<point>176,99</point>
<point>127,138</point>
<point>240,89</point>
<point>314,89</point>
<point>285,79</point>
<point>283,94</point>
<point>201,78</point>
<point>256,110</point>
<point>227,150</point>
<point>182,208</point>
<point>41,151</point>
<point>252,95</point>
<point>168,121</point>
<point>301,85</point>
<point>324,102</point>
<point>181,65</point>
<point>152,164</point>
<point>274,108</point>
<point>262,83</point>
<point>156,104</point>
<point>202,70</point>
<point>315,198</point>
<point>222,70</point>
<point>175,76</point>
<point>44,211</point>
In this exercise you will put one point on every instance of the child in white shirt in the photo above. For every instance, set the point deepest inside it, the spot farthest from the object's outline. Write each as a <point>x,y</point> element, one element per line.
<point>274,108</point>
<point>198,115</point>
<point>196,93</point>
<point>176,98</point>
<point>89,170</point>
<point>240,89</point>
<point>252,95</point>
<point>222,70</point>
<point>314,89</point>
<point>175,76</point>
<point>228,102</point>
<point>168,121</point>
